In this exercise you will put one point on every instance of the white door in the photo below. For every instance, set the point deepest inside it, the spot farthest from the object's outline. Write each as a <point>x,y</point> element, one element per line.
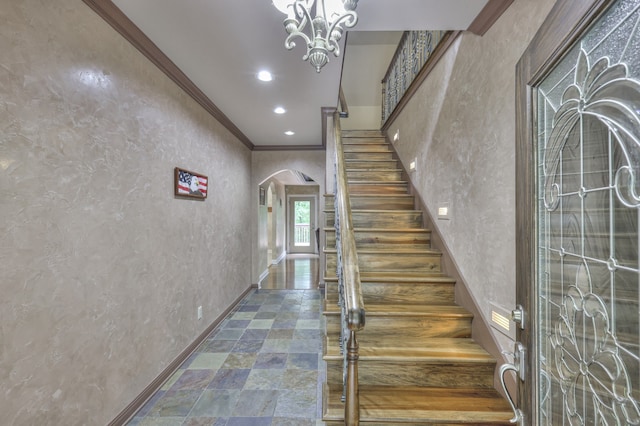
<point>578,267</point>
<point>302,224</point>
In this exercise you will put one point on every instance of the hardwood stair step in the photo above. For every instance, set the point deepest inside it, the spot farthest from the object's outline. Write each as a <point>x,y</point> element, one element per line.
<point>381,219</point>
<point>386,405</point>
<point>376,201</point>
<point>435,292</point>
<point>441,362</point>
<point>387,187</point>
<point>366,133</point>
<point>379,175</point>
<point>384,238</point>
<point>370,164</point>
<point>398,259</point>
<point>391,278</point>
<point>389,310</point>
<point>404,324</point>
<point>437,350</point>
<point>368,155</point>
<point>366,146</point>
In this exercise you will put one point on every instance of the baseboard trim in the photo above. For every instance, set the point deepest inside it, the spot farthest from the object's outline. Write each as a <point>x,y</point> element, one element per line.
<point>130,410</point>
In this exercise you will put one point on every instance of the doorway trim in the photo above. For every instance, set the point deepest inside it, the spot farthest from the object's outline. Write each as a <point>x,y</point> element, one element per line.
<point>314,225</point>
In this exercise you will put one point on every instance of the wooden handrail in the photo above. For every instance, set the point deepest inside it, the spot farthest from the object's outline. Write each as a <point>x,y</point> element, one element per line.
<point>342,103</point>
<point>353,310</point>
<point>351,271</point>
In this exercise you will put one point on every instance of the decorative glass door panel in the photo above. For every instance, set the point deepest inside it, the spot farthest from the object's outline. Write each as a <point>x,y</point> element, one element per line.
<point>588,272</point>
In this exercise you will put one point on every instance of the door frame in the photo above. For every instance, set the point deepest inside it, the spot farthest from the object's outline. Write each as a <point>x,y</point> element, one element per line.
<point>565,23</point>
<point>314,225</point>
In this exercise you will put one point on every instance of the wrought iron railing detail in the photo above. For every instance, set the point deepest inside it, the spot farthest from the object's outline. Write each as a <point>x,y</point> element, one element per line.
<point>352,312</point>
<point>413,51</point>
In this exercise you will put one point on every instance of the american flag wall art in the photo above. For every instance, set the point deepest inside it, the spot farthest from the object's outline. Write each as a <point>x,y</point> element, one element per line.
<point>190,184</point>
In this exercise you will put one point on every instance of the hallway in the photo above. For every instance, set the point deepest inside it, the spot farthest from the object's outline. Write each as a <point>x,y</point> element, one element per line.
<point>262,365</point>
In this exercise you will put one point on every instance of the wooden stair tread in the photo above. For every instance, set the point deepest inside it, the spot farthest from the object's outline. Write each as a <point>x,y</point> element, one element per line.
<point>399,277</point>
<point>422,405</point>
<point>376,211</point>
<point>376,183</point>
<point>395,249</point>
<point>386,230</point>
<point>436,350</point>
<point>376,195</point>
<point>439,311</point>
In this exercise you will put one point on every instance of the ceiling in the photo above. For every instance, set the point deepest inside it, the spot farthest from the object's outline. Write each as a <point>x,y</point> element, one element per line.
<point>220,45</point>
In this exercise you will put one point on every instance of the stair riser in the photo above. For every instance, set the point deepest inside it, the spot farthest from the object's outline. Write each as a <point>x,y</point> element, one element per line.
<point>415,373</point>
<point>371,165</point>
<point>382,202</point>
<point>374,176</point>
<point>367,156</point>
<point>420,262</point>
<point>380,188</point>
<point>381,219</point>
<point>377,239</point>
<point>405,293</point>
<point>400,329</point>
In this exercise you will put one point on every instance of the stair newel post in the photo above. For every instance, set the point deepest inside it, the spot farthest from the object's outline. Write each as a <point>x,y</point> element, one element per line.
<point>352,407</point>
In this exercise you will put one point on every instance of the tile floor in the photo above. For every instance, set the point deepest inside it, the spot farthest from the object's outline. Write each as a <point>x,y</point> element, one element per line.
<point>261,366</point>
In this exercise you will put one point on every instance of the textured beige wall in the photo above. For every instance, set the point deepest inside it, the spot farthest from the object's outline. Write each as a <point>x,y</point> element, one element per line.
<point>461,128</point>
<point>102,268</point>
<point>264,165</point>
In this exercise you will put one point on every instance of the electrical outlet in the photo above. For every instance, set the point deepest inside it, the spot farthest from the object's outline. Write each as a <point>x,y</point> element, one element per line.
<point>199,312</point>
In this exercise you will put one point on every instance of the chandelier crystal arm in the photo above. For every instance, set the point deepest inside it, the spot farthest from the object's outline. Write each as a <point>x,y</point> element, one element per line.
<point>350,19</point>
<point>296,28</point>
<point>321,33</point>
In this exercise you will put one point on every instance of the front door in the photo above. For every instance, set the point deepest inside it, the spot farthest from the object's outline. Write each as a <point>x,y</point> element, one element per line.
<point>578,212</point>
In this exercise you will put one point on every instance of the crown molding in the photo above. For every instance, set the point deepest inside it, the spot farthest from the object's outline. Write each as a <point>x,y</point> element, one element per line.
<point>488,16</point>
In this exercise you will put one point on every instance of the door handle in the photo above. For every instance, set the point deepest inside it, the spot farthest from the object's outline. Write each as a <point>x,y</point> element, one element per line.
<point>518,366</point>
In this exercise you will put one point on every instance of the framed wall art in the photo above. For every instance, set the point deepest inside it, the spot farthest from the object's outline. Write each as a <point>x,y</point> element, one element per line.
<point>190,184</point>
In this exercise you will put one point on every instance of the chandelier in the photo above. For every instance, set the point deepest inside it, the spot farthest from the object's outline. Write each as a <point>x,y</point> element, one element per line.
<point>325,26</point>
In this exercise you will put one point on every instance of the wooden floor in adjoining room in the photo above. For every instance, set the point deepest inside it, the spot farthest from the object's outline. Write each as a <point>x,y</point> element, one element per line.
<point>295,272</point>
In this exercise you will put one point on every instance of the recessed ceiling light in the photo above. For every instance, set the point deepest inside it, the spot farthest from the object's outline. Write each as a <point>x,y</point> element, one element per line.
<point>279,110</point>
<point>265,75</point>
<point>289,133</point>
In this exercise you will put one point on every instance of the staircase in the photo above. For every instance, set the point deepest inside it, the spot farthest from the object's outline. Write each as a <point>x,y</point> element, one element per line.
<point>418,364</point>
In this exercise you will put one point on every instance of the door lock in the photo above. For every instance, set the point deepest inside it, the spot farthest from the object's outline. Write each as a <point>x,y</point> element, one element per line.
<point>518,316</point>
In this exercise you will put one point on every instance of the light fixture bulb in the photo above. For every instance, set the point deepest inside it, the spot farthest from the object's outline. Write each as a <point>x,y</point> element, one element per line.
<point>265,75</point>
